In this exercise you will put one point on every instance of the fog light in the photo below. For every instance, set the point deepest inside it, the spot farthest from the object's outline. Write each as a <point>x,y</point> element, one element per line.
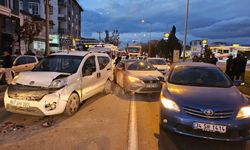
<point>165,121</point>
<point>51,106</point>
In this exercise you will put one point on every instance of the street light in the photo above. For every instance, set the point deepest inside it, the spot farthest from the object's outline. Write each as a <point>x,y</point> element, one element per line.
<point>185,30</point>
<point>150,33</point>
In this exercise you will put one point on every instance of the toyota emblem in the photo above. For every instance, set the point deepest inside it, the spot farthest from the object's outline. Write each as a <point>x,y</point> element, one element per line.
<point>208,112</point>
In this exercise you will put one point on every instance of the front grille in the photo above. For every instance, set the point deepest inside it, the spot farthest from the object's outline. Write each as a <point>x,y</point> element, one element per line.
<point>151,81</point>
<point>29,110</point>
<point>222,114</point>
<point>29,93</point>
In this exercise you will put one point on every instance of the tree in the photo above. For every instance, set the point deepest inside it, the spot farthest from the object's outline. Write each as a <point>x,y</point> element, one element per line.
<point>207,53</point>
<point>173,43</point>
<point>28,31</point>
<point>114,39</point>
<point>107,38</point>
<point>161,48</point>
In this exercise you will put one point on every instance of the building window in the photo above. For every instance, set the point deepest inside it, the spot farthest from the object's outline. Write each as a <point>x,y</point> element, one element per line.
<point>21,5</point>
<point>51,10</point>
<point>33,8</point>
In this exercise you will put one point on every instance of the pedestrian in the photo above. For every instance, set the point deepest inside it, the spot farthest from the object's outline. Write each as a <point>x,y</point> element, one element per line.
<point>236,67</point>
<point>7,65</point>
<point>118,59</point>
<point>213,60</point>
<point>195,58</point>
<point>229,69</point>
<point>243,64</point>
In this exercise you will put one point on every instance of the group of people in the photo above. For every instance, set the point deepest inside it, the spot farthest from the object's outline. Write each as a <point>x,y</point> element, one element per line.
<point>236,67</point>
<point>212,60</point>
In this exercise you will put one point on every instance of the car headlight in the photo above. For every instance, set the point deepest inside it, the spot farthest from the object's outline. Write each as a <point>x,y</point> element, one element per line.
<point>133,79</point>
<point>170,104</point>
<point>244,112</point>
<point>58,83</point>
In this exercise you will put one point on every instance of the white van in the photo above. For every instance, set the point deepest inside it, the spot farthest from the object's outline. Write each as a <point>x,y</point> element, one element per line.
<point>59,83</point>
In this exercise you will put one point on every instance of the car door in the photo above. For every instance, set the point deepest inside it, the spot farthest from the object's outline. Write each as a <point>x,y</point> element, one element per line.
<point>105,69</point>
<point>19,64</point>
<point>89,80</point>
<point>119,74</point>
<point>31,61</point>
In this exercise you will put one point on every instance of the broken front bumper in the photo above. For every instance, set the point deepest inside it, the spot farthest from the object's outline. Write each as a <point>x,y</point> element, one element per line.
<point>34,100</point>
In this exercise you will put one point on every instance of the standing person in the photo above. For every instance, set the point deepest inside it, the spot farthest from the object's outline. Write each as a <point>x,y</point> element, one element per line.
<point>118,59</point>
<point>236,67</point>
<point>213,60</point>
<point>7,65</point>
<point>243,64</point>
<point>229,69</point>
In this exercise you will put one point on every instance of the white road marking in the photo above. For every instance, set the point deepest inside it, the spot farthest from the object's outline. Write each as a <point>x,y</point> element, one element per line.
<point>133,136</point>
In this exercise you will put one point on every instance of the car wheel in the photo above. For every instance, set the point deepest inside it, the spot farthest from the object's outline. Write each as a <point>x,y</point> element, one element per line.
<point>73,104</point>
<point>108,87</point>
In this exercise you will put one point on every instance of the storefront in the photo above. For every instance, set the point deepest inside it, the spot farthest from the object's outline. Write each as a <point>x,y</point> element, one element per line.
<point>54,43</point>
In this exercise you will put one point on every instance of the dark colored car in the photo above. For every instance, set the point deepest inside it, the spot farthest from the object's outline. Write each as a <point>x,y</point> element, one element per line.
<point>199,100</point>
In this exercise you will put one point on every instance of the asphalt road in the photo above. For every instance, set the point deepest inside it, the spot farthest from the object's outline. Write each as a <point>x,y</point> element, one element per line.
<point>103,123</point>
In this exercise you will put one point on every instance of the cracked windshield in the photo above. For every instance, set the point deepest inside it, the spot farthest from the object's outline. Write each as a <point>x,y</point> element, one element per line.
<point>124,75</point>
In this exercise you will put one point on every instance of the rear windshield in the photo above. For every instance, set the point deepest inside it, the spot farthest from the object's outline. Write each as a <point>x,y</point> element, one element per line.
<point>199,76</point>
<point>157,61</point>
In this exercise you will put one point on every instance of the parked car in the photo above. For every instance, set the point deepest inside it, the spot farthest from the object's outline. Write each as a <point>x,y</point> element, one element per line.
<point>23,63</point>
<point>160,64</point>
<point>59,83</point>
<point>138,76</point>
<point>199,100</point>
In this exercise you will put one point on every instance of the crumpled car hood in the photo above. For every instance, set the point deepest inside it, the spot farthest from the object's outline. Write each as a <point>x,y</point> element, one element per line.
<point>41,79</point>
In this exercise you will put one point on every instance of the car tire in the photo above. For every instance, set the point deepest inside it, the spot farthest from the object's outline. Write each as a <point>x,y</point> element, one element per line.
<point>72,105</point>
<point>108,87</point>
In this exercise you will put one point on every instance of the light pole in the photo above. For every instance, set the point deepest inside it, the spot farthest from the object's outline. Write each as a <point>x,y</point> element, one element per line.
<point>150,35</point>
<point>185,31</point>
<point>47,49</point>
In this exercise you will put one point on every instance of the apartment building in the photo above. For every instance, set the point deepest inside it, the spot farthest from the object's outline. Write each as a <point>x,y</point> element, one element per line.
<point>9,22</point>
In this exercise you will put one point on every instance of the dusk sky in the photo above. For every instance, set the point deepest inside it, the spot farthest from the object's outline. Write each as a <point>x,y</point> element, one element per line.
<point>215,20</point>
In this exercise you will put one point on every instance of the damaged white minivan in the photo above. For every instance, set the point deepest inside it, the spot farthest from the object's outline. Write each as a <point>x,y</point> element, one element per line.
<point>59,83</point>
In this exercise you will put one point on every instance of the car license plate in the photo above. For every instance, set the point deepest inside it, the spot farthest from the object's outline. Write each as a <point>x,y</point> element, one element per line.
<point>152,85</point>
<point>210,127</point>
<point>18,103</point>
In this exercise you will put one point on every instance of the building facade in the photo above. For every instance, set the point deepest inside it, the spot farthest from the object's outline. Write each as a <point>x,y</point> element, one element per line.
<point>33,10</point>
<point>9,22</point>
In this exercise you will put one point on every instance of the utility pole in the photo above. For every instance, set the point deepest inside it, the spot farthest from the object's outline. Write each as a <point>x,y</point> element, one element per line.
<point>47,49</point>
<point>185,31</point>
<point>99,32</point>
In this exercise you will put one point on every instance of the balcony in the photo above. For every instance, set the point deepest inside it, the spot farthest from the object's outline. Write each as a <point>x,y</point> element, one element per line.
<point>61,31</point>
<point>61,17</point>
<point>62,3</point>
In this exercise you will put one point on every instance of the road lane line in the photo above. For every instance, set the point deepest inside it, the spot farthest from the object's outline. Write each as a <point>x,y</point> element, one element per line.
<point>133,135</point>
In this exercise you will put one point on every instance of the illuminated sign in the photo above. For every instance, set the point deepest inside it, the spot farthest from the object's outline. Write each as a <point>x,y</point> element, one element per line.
<point>53,39</point>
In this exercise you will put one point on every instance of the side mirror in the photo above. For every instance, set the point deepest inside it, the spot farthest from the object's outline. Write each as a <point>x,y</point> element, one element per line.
<point>162,79</point>
<point>238,82</point>
<point>87,72</point>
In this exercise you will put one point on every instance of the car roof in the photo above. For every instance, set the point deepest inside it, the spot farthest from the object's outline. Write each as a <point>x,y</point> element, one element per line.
<point>194,64</point>
<point>155,58</point>
<point>79,53</point>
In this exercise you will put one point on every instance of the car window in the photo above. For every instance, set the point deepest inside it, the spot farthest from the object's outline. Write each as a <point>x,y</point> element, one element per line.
<point>199,76</point>
<point>103,61</point>
<point>30,60</point>
<point>59,63</point>
<point>20,61</point>
<point>90,63</point>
